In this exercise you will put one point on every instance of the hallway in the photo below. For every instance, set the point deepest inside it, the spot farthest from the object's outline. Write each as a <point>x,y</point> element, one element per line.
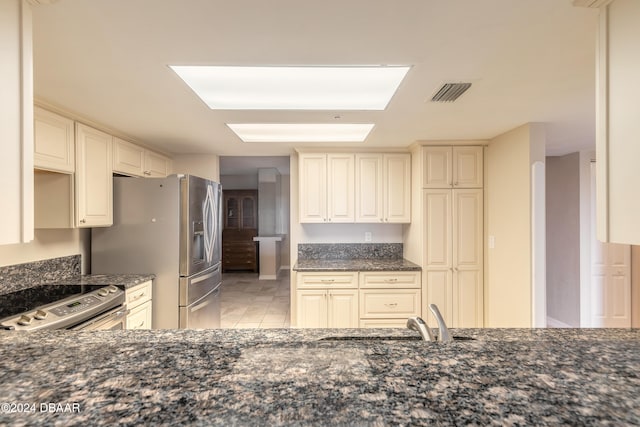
<point>247,302</point>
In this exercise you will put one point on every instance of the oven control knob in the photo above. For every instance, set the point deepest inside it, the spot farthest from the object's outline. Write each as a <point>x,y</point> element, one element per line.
<point>112,289</point>
<point>24,320</point>
<point>40,315</point>
<point>103,292</point>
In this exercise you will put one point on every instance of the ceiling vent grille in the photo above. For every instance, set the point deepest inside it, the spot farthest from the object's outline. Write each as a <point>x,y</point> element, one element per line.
<point>449,92</point>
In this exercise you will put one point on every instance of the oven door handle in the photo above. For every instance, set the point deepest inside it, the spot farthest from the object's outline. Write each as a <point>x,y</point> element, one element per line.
<point>110,316</point>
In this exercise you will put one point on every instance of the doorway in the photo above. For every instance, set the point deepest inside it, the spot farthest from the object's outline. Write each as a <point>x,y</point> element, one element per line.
<point>609,299</point>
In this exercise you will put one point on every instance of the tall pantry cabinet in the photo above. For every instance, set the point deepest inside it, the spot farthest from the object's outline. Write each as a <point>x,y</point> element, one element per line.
<point>452,210</point>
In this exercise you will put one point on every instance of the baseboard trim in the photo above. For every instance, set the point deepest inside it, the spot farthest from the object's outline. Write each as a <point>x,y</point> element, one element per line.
<point>555,323</point>
<point>267,277</point>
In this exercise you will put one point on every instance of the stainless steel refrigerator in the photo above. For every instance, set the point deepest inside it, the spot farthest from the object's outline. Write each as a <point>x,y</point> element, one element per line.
<point>170,227</point>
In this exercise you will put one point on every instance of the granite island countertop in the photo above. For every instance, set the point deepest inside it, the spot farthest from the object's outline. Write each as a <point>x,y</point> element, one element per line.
<point>313,377</point>
<point>365,264</point>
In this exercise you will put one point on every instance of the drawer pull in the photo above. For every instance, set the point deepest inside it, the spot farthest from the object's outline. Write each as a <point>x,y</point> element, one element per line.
<point>137,297</point>
<point>392,305</point>
<point>391,280</point>
<point>327,280</point>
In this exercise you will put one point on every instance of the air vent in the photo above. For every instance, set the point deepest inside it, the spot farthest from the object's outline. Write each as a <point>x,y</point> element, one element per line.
<point>449,92</point>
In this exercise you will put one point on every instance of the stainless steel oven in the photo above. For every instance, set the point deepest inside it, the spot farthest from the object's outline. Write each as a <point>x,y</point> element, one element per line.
<point>112,320</point>
<point>74,307</point>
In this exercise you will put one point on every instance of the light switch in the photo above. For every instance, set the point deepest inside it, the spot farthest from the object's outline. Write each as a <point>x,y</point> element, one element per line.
<point>367,236</point>
<point>492,242</point>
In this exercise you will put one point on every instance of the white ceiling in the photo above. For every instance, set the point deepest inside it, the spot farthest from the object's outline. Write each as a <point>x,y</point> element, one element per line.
<point>528,60</point>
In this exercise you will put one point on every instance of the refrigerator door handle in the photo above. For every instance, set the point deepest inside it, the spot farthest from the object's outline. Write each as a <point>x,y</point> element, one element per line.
<point>207,214</point>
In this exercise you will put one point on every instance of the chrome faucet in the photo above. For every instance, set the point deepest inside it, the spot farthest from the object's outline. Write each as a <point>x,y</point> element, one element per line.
<point>443,331</point>
<point>417,324</point>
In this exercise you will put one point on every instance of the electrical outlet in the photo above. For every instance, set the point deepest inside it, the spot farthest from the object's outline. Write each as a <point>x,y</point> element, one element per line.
<point>492,242</point>
<point>367,236</point>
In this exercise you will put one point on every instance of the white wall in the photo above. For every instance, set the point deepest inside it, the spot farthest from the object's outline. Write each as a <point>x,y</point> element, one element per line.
<point>239,182</point>
<point>202,165</point>
<point>508,272</point>
<point>50,244</point>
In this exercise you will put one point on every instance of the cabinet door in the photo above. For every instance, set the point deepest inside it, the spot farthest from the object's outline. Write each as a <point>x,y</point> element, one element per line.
<point>128,158</point>
<point>53,142</point>
<point>467,167</point>
<point>140,316</point>
<point>94,183</point>
<point>438,263</point>
<point>249,211</point>
<point>340,188</point>
<point>436,167</point>
<point>312,309</point>
<point>397,188</point>
<point>156,165</point>
<point>467,259</point>
<point>313,187</point>
<point>369,188</point>
<point>343,309</point>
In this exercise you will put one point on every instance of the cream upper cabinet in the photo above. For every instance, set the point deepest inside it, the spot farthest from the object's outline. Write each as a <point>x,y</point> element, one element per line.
<point>133,160</point>
<point>94,184</point>
<point>128,158</point>
<point>397,188</point>
<point>369,187</point>
<point>54,142</point>
<point>340,188</point>
<point>313,187</point>
<point>452,167</point>
<point>453,255</point>
<point>326,184</point>
<point>156,165</point>
<point>383,188</point>
<point>16,131</point>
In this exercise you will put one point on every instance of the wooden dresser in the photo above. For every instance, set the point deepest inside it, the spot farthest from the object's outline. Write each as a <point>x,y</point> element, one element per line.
<point>239,251</point>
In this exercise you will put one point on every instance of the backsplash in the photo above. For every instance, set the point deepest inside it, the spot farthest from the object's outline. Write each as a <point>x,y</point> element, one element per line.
<point>21,276</point>
<point>350,251</point>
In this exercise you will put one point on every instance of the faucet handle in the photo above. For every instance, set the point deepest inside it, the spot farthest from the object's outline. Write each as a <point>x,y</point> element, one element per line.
<point>443,331</point>
<point>419,325</point>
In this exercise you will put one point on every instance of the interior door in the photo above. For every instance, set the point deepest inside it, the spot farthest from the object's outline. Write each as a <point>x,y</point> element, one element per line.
<point>610,293</point>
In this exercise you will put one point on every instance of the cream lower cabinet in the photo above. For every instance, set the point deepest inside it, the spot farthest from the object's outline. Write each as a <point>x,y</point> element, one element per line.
<point>453,264</point>
<point>139,304</point>
<point>327,300</point>
<point>388,298</point>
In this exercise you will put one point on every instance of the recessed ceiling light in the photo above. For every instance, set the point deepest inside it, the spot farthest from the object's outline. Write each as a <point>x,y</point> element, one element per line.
<point>293,88</point>
<point>301,132</point>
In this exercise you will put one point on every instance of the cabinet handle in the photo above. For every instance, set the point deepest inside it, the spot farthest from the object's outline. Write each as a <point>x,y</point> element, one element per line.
<point>455,183</point>
<point>147,173</point>
<point>138,296</point>
<point>390,280</point>
<point>82,221</point>
<point>329,219</point>
<point>327,280</point>
<point>392,305</point>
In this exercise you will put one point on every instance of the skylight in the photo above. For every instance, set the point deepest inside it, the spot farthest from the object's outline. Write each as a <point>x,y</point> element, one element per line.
<point>293,88</point>
<point>301,132</point>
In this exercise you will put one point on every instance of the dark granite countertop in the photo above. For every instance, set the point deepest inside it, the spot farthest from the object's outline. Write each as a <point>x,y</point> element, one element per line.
<point>122,280</point>
<point>363,264</point>
<point>298,377</point>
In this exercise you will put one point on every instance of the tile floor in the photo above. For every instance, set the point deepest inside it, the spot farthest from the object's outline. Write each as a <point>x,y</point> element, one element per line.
<point>247,302</point>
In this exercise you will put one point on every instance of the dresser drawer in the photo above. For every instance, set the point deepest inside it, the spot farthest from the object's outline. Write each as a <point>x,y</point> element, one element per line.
<point>390,279</point>
<point>385,304</point>
<point>140,316</point>
<point>138,294</point>
<point>334,279</point>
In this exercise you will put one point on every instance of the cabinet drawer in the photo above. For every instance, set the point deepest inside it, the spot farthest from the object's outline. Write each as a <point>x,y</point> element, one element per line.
<point>333,279</point>
<point>138,294</point>
<point>140,317</point>
<point>383,323</point>
<point>390,279</point>
<point>385,304</point>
